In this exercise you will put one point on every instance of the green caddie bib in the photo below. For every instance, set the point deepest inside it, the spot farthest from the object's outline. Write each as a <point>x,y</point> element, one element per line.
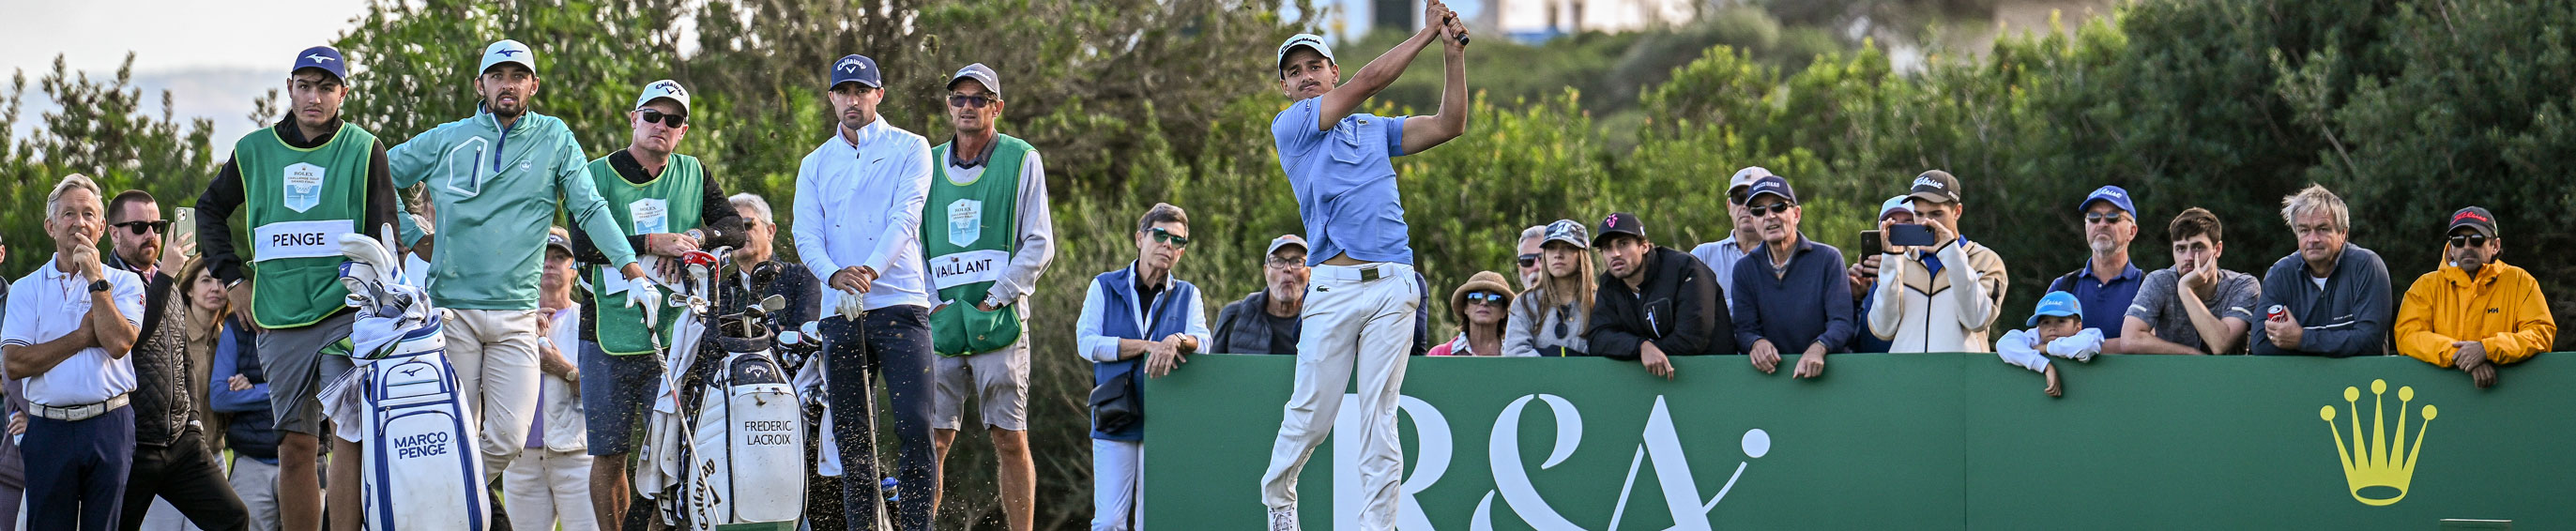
<point>668,203</point>
<point>298,202</point>
<point>968,231</point>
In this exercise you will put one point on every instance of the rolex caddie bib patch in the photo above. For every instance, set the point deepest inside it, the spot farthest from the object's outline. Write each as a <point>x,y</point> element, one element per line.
<point>965,221</point>
<point>303,186</point>
<point>651,215</point>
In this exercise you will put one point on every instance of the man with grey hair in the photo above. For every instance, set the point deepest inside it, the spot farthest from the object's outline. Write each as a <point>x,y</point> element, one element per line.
<point>65,339</point>
<point>2331,298</point>
<point>1528,259</point>
<point>1722,255</point>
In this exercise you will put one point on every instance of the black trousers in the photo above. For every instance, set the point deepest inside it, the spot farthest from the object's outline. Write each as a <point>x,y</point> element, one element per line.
<point>189,478</point>
<point>894,344</point>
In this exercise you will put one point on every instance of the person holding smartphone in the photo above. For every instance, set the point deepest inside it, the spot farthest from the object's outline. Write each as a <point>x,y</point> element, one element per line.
<point>1939,294</point>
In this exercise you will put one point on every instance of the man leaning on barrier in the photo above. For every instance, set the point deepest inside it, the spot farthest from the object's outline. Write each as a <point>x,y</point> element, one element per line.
<point>2475,312</point>
<point>2331,298</point>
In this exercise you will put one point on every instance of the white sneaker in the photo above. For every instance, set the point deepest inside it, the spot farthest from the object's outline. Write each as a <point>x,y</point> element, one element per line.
<point>1283,520</point>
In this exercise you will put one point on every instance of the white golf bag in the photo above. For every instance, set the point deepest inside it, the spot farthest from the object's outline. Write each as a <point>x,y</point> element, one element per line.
<point>421,467</point>
<point>747,452</point>
<point>740,457</point>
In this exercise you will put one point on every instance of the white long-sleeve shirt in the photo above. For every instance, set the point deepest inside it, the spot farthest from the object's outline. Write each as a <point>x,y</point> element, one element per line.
<point>860,204</point>
<point>1100,348</point>
<point>2021,348</point>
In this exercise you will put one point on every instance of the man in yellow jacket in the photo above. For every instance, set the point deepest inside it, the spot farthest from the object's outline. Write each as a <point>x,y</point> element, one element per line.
<point>2475,312</point>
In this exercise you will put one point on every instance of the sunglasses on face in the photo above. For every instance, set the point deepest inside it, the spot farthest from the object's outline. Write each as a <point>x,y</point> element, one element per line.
<point>2469,240</point>
<point>2101,218</point>
<point>1167,238</point>
<point>1529,260</point>
<point>1774,208</point>
<point>139,227</point>
<point>673,120</point>
<point>970,102</point>
<point>1487,298</point>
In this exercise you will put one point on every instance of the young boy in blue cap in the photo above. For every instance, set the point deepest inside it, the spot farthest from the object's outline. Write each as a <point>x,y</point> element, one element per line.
<point>2057,329</point>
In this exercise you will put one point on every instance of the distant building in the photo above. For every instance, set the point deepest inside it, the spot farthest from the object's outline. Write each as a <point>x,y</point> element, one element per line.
<point>1527,21</point>
<point>1533,21</point>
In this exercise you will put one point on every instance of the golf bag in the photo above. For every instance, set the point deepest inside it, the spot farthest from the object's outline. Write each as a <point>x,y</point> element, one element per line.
<point>421,467</point>
<point>747,457</point>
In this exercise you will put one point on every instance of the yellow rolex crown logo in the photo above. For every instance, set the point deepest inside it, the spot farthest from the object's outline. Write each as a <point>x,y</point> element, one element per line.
<point>2378,469</point>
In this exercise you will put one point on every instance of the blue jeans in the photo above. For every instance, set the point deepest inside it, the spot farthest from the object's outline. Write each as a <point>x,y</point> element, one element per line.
<point>76,470</point>
<point>894,343</point>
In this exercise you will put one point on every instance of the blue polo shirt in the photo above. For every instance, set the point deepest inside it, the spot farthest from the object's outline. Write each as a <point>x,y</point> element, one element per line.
<point>2106,304</point>
<point>1782,304</point>
<point>1345,182</point>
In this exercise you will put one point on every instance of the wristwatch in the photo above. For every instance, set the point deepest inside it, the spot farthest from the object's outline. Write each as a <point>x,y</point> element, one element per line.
<point>96,286</point>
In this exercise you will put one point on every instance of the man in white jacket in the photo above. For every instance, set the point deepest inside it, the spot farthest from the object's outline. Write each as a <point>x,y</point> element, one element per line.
<point>858,227</point>
<point>1941,298</point>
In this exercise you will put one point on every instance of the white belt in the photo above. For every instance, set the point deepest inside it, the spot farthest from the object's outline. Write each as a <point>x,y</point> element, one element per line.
<point>1362,273</point>
<point>79,412</point>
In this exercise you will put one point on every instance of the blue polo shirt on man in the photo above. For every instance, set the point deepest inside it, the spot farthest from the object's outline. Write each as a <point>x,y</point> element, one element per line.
<point>1782,304</point>
<point>2106,304</point>
<point>1345,182</point>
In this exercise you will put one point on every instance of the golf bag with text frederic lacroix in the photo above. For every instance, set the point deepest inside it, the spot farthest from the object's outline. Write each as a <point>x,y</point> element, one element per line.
<point>421,467</point>
<point>744,456</point>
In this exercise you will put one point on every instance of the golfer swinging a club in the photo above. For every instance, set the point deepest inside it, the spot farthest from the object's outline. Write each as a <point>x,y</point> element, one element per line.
<point>1360,307</point>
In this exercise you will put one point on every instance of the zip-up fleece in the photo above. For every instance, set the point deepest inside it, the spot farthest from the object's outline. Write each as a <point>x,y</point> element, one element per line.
<point>497,190</point>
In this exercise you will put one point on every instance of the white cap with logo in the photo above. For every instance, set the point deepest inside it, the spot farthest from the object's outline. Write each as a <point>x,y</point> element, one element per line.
<point>664,89</point>
<point>507,51</point>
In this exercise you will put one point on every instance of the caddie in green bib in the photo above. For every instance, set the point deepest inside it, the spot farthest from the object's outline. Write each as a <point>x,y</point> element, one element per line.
<point>670,202</point>
<point>968,232</point>
<point>308,199</point>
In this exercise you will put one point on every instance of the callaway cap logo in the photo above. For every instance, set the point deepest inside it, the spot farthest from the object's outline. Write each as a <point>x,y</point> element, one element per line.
<point>318,58</point>
<point>849,65</point>
<point>674,88</point>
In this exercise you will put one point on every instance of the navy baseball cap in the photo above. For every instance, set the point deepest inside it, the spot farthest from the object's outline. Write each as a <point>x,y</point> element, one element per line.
<point>2118,198</point>
<point>2057,304</point>
<point>1617,224</point>
<point>1771,185</point>
<point>981,74</point>
<point>323,57</point>
<point>855,68</point>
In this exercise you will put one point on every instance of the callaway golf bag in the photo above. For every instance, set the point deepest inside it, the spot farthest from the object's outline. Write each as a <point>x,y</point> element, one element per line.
<point>743,451</point>
<point>422,470</point>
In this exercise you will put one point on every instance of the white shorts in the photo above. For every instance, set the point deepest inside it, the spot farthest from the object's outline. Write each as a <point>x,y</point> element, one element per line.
<point>999,380</point>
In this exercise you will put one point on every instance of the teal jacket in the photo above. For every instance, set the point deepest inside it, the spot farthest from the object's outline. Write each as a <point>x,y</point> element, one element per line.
<point>497,190</point>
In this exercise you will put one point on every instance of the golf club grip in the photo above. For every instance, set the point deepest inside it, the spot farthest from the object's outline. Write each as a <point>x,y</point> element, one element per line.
<point>1453,19</point>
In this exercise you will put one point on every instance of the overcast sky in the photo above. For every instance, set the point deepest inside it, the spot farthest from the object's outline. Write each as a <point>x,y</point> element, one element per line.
<point>167,34</point>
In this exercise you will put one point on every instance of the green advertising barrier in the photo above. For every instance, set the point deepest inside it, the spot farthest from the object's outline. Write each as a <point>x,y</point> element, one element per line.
<point>1903,441</point>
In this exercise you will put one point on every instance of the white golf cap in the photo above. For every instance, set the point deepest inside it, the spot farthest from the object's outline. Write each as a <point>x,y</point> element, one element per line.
<point>507,51</point>
<point>1745,177</point>
<point>664,89</point>
<point>1303,40</point>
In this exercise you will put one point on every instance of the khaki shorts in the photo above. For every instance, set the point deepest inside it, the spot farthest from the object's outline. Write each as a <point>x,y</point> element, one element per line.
<point>999,380</point>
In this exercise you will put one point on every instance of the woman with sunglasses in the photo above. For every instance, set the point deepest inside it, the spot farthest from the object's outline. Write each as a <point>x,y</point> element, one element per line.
<point>1549,320</point>
<point>1479,306</point>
